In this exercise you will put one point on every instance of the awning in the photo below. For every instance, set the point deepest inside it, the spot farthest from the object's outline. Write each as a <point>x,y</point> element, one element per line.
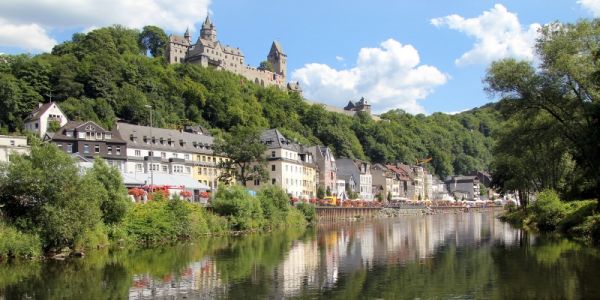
<point>140,179</point>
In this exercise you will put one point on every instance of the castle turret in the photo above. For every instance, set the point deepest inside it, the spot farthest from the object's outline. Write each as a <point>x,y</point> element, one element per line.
<point>278,59</point>
<point>187,35</point>
<point>209,31</point>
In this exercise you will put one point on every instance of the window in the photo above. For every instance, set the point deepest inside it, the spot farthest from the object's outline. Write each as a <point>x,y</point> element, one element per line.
<point>272,153</point>
<point>86,148</point>
<point>109,149</point>
<point>81,135</point>
<point>138,167</point>
<point>186,156</point>
<point>272,167</point>
<point>150,153</point>
<point>69,148</point>
<point>204,171</point>
<point>188,170</point>
<point>203,158</point>
<point>273,180</point>
<point>118,150</point>
<point>12,143</point>
<point>174,155</point>
<point>163,155</point>
<point>107,136</point>
<point>96,148</point>
<point>214,160</point>
<point>165,169</point>
<point>256,182</point>
<point>36,125</point>
<point>69,133</point>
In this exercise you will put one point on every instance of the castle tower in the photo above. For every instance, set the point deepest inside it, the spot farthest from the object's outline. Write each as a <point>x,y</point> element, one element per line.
<point>187,35</point>
<point>208,31</point>
<point>278,59</point>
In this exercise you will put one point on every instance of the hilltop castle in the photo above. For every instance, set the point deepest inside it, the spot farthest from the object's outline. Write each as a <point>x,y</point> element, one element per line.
<point>208,51</point>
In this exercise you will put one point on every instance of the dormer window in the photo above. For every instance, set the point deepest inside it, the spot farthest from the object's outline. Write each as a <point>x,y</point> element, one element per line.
<point>108,136</point>
<point>69,133</point>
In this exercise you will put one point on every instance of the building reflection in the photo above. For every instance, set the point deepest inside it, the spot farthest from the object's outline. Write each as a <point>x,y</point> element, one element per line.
<point>338,249</point>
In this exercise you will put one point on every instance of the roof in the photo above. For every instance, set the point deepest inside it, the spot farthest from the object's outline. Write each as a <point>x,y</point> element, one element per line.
<point>276,47</point>
<point>79,126</point>
<point>139,179</point>
<point>403,173</point>
<point>38,112</point>
<point>178,39</point>
<point>192,143</point>
<point>345,167</point>
<point>274,139</point>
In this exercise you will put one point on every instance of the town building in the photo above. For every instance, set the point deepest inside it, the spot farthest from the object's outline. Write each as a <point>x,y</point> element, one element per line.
<point>89,140</point>
<point>384,182</point>
<point>289,165</point>
<point>325,162</point>
<point>360,172</point>
<point>10,145</point>
<point>169,151</point>
<point>463,187</point>
<point>208,51</point>
<point>405,186</point>
<point>45,116</point>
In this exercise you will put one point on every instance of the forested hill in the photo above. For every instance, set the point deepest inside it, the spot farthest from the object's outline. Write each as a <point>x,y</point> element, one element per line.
<point>105,75</point>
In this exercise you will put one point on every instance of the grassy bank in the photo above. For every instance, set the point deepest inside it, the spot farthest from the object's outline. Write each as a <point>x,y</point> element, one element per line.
<point>575,219</point>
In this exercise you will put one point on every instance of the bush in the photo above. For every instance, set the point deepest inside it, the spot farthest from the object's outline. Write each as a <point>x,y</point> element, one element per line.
<point>308,210</point>
<point>547,210</point>
<point>14,243</point>
<point>243,211</point>
<point>275,205</point>
<point>92,238</point>
<point>295,219</point>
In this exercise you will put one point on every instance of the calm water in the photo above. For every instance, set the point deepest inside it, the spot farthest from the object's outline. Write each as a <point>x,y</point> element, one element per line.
<point>464,256</point>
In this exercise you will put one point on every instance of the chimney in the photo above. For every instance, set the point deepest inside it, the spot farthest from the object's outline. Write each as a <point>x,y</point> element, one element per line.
<point>40,104</point>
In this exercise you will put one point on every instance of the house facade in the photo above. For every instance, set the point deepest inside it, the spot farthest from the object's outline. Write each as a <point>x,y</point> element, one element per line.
<point>361,173</point>
<point>10,145</point>
<point>463,187</point>
<point>325,161</point>
<point>289,165</point>
<point>39,119</point>
<point>90,140</point>
<point>384,181</point>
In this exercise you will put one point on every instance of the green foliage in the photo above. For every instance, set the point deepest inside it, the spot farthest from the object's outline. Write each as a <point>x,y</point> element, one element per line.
<point>308,210</point>
<point>153,39</point>
<point>15,243</point>
<point>246,154</point>
<point>243,211</point>
<point>53,126</point>
<point>320,192</point>
<point>328,191</point>
<point>547,210</point>
<point>114,202</point>
<point>266,66</point>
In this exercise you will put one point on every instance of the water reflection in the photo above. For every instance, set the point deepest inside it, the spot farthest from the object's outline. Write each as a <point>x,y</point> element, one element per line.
<point>442,256</point>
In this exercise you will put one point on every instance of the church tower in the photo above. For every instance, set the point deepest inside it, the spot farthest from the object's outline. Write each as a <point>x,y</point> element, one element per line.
<point>278,59</point>
<point>208,31</point>
<point>187,36</point>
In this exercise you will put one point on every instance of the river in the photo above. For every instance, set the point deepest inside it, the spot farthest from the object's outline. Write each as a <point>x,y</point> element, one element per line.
<point>457,256</point>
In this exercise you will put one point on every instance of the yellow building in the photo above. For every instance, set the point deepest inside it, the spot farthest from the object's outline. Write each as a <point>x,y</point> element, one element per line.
<point>206,169</point>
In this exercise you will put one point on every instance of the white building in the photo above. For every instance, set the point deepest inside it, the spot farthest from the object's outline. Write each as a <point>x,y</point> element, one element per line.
<point>12,145</point>
<point>40,118</point>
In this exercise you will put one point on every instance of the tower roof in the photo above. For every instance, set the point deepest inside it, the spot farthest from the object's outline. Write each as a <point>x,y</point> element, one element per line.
<point>276,48</point>
<point>207,21</point>
<point>187,33</point>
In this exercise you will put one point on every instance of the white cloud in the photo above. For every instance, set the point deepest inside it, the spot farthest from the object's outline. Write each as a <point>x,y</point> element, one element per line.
<point>591,5</point>
<point>339,58</point>
<point>30,37</point>
<point>389,77</point>
<point>40,16</point>
<point>498,34</point>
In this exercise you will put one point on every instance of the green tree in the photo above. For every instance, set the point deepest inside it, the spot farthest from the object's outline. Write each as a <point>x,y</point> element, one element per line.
<point>565,89</point>
<point>153,39</point>
<point>266,66</point>
<point>320,192</point>
<point>246,154</point>
<point>115,204</point>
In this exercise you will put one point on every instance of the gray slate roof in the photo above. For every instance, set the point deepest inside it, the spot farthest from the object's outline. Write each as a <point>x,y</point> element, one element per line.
<point>274,140</point>
<point>192,143</point>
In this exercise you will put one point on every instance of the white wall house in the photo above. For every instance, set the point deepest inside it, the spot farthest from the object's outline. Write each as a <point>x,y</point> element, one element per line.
<point>38,120</point>
<point>12,145</point>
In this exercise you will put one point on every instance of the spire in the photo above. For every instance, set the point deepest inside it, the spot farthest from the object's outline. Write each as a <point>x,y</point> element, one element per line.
<point>207,21</point>
<point>187,33</point>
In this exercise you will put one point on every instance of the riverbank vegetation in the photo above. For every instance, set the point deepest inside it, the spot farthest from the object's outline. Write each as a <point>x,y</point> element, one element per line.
<point>47,204</point>
<point>551,137</point>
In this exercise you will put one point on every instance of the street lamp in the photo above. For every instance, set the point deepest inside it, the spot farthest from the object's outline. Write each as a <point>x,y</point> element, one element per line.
<point>151,151</point>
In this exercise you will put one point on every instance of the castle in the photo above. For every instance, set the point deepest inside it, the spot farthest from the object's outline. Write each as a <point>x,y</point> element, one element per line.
<point>209,52</point>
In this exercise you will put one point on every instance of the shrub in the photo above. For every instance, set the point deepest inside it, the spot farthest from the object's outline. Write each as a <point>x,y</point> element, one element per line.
<point>92,238</point>
<point>295,219</point>
<point>14,243</point>
<point>547,210</point>
<point>308,210</point>
<point>275,204</point>
<point>243,210</point>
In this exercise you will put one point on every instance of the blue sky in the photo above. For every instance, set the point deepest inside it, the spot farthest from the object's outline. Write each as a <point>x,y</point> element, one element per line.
<point>421,56</point>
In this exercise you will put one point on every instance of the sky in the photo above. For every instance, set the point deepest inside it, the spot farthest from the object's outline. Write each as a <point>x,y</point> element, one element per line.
<point>420,56</point>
